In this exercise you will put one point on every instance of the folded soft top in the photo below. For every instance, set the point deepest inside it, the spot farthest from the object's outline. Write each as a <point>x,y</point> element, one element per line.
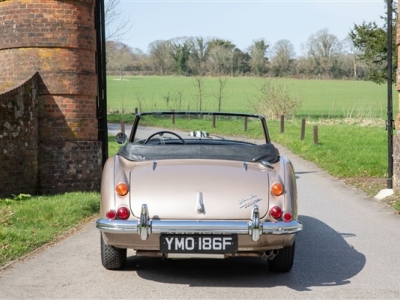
<point>239,152</point>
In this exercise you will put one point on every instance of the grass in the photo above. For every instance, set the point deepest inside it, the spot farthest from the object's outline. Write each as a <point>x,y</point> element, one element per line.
<point>343,150</point>
<point>27,223</point>
<point>320,98</point>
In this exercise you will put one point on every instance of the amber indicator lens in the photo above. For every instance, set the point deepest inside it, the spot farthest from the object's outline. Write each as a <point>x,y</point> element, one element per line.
<point>122,189</point>
<point>277,189</point>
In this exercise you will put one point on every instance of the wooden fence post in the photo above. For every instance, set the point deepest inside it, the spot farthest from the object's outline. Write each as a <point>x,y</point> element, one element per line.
<point>122,126</point>
<point>213,121</point>
<point>245,123</point>
<point>282,123</point>
<point>303,129</point>
<point>315,135</point>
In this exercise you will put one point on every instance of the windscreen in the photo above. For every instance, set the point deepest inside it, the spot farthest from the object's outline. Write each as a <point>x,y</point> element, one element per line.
<point>191,127</point>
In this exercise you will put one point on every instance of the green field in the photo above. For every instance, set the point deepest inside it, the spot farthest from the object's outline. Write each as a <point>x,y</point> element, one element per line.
<point>320,98</point>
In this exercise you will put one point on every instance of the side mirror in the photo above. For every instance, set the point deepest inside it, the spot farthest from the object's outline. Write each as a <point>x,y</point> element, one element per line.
<point>121,138</point>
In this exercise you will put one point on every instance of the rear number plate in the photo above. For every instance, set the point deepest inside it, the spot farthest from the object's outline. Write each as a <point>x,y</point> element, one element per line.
<point>198,243</point>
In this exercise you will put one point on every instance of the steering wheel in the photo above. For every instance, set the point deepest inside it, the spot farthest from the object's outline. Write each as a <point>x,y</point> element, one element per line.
<point>161,133</point>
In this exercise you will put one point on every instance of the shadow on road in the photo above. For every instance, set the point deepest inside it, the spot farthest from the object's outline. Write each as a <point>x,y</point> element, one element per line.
<point>323,258</point>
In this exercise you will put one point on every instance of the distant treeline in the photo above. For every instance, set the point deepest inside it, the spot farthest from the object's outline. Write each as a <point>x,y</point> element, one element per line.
<point>325,57</point>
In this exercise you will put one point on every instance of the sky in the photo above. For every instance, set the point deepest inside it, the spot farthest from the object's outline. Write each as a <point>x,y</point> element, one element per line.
<point>243,22</point>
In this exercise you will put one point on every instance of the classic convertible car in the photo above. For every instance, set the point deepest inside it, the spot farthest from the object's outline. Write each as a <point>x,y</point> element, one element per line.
<point>198,185</point>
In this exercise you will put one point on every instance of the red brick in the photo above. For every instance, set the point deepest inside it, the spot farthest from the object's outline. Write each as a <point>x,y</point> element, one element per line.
<point>56,38</point>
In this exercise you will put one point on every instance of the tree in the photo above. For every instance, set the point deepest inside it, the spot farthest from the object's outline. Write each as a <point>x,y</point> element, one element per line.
<point>283,56</point>
<point>137,62</point>
<point>180,52</point>
<point>160,53</point>
<point>199,83</point>
<point>198,55</point>
<point>241,62</point>
<point>116,25</point>
<point>119,56</point>
<point>304,66</point>
<point>220,93</point>
<point>258,60</point>
<point>221,55</point>
<point>323,48</point>
<point>351,53</point>
<point>371,41</point>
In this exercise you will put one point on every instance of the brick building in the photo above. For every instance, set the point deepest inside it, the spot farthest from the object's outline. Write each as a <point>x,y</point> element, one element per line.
<point>48,92</point>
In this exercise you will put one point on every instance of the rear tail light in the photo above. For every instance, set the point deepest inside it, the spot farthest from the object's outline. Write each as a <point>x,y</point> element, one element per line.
<point>122,189</point>
<point>275,212</point>
<point>287,217</point>
<point>123,213</point>
<point>111,214</point>
<point>277,189</point>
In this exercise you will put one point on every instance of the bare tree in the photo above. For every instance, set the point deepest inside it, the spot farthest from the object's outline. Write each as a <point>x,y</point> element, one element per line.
<point>323,48</point>
<point>351,52</point>
<point>220,92</point>
<point>221,57</point>
<point>174,99</point>
<point>160,53</point>
<point>119,56</point>
<point>258,60</point>
<point>198,55</point>
<point>304,66</point>
<point>282,57</point>
<point>116,25</point>
<point>199,83</point>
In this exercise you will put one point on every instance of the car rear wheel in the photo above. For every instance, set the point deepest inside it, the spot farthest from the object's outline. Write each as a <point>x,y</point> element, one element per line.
<point>283,261</point>
<point>112,258</point>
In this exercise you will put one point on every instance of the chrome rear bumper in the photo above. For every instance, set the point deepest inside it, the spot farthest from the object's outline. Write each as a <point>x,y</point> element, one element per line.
<point>145,227</point>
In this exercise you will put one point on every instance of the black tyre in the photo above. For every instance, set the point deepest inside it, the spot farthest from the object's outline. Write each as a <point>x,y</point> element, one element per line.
<point>112,258</point>
<point>283,261</point>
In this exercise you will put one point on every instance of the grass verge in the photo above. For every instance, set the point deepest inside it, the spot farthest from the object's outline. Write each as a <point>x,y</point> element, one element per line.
<point>27,223</point>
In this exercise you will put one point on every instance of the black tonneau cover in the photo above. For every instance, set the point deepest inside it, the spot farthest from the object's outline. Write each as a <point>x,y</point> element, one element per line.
<point>239,152</point>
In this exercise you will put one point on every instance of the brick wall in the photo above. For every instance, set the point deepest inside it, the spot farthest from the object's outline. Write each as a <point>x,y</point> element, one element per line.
<point>56,38</point>
<point>19,139</point>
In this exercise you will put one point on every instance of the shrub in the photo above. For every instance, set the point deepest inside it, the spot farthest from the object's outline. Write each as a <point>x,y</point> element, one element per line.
<point>275,99</point>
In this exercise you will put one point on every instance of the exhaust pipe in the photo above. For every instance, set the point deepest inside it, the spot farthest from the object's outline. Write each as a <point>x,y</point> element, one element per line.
<point>270,254</point>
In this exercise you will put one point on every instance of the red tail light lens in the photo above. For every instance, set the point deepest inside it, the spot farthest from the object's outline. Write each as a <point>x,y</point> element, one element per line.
<point>277,189</point>
<point>275,212</point>
<point>287,217</point>
<point>122,189</point>
<point>123,213</point>
<point>111,214</point>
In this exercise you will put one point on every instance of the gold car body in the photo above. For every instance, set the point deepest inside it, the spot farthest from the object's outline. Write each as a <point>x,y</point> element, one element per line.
<point>199,193</point>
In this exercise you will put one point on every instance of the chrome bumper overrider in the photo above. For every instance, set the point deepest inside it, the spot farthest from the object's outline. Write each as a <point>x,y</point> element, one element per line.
<point>145,227</point>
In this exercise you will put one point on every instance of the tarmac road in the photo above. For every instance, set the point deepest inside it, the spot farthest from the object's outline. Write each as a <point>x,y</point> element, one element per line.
<point>349,249</point>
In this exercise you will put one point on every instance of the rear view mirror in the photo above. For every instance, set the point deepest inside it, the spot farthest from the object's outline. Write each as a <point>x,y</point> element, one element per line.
<point>121,138</point>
